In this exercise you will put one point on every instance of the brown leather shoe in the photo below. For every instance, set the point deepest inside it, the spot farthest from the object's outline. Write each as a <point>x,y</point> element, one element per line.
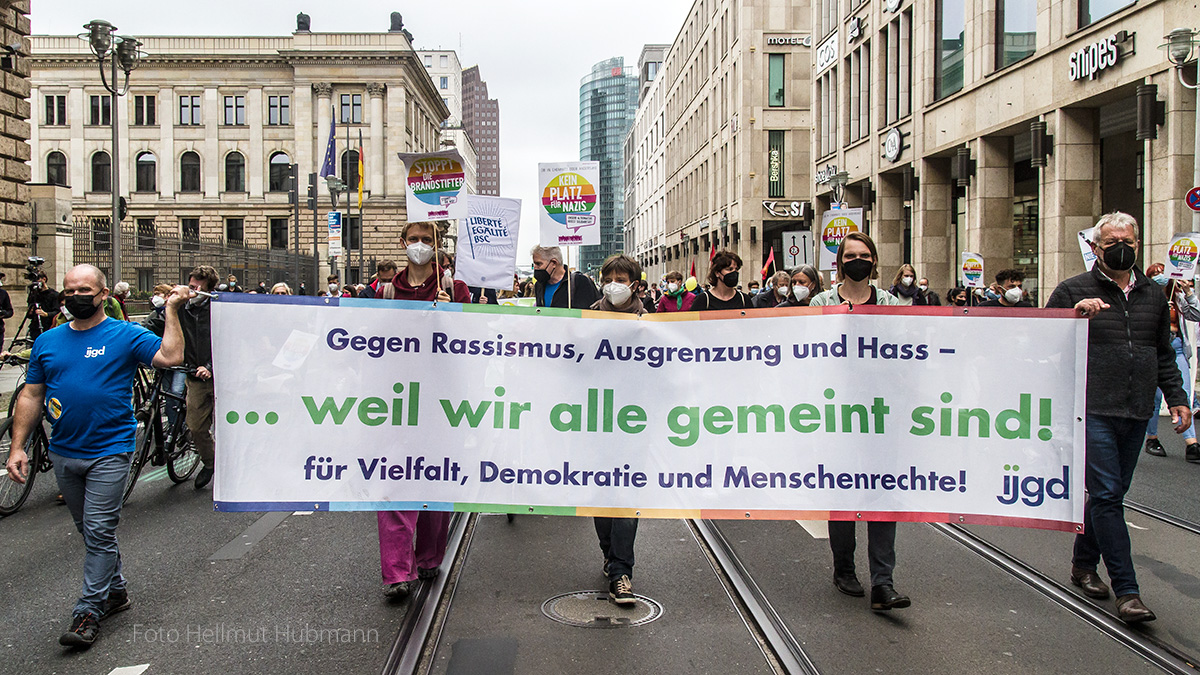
<point>1131,609</point>
<point>1090,583</point>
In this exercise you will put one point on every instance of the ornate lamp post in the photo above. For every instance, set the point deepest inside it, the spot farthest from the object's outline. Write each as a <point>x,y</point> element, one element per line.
<point>1179,49</point>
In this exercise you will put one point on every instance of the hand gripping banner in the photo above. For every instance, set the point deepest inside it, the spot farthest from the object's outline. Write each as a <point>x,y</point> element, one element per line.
<point>874,413</point>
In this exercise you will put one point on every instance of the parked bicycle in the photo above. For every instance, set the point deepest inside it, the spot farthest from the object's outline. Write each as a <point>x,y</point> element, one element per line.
<point>37,447</point>
<point>162,434</point>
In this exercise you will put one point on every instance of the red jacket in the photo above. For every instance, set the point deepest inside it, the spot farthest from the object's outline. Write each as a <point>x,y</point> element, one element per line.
<point>668,304</point>
<point>427,291</point>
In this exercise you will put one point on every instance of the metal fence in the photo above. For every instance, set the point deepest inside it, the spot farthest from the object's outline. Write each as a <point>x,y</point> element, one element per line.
<point>150,256</point>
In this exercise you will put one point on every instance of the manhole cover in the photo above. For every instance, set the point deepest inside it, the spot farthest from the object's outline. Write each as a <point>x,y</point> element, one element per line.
<point>593,609</point>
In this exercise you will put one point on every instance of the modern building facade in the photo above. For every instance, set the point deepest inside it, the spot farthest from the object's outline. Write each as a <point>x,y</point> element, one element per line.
<point>1003,129</point>
<point>644,184</point>
<point>481,119</point>
<point>608,99</point>
<point>211,125</point>
<point>721,141</point>
<point>447,75</point>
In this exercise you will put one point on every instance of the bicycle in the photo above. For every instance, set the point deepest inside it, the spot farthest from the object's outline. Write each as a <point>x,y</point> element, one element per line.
<point>161,444</point>
<point>37,447</point>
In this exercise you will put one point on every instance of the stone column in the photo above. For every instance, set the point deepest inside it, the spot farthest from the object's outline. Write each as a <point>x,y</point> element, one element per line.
<point>376,170</point>
<point>256,162</point>
<point>398,140</point>
<point>1070,194</point>
<point>887,220</point>
<point>324,92</point>
<point>79,162</point>
<point>166,142</point>
<point>212,164</point>
<point>990,228</point>
<point>932,241</point>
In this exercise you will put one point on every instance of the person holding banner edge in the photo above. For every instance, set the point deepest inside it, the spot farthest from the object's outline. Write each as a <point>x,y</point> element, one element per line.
<point>857,264</point>
<point>1184,307</point>
<point>1129,356</point>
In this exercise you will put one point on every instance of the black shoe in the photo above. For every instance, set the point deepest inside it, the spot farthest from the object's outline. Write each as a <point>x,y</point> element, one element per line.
<point>1153,447</point>
<point>620,591</point>
<point>83,632</point>
<point>203,478</point>
<point>1131,609</point>
<point>884,597</point>
<point>1192,453</point>
<point>1090,583</point>
<point>427,572</point>
<point>847,582</point>
<point>117,601</point>
<point>398,590</point>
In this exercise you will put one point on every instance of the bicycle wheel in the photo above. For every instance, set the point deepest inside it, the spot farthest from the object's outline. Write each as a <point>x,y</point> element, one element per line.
<point>12,402</point>
<point>12,493</point>
<point>183,460</point>
<point>143,446</point>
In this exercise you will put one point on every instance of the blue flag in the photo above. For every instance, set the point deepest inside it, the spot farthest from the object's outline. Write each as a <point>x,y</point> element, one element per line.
<point>327,168</point>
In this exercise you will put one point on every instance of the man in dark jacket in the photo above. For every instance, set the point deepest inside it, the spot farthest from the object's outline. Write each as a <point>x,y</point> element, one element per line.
<point>552,283</point>
<point>1129,356</point>
<point>197,353</point>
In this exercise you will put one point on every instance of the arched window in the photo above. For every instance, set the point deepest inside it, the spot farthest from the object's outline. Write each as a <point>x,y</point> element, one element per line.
<point>279,172</point>
<point>56,168</point>
<point>101,172</point>
<point>146,178</point>
<point>350,169</point>
<point>235,172</point>
<point>189,172</point>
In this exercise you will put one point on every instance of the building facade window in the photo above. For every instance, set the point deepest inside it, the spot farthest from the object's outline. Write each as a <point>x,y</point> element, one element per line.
<point>353,234</point>
<point>56,110</point>
<point>279,233</point>
<point>827,102</point>
<point>145,234</point>
<point>235,172</point>
<point>1016,31</point>
<point>859,65</point>
<point>190,231</point>
<point>896,50</point>
<point>827,18</point>
<point>950,19</point>
<point>351,109</point>
<point>235,110</point>
<point>1091,11</point>
<point>235,230</point>
<point>101,172</point>
<point>146,176</point>
<point>144,113</point>
<point>776,161</point>
<point>444,61</point>
<point>350,169</point>
<point>279,171</point>
<point>189,110</point>
<point>56,168</point>
<point>279,110</point>
<point>100,111</point>
<point>189,172</point>
<point>775,86</point>
<point>443,83</point>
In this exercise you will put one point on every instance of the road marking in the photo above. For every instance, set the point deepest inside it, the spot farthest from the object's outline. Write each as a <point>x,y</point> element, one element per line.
<point>242,544</point>
<point>130,670</point>
<point>302,513</point>
<point>1135,526</point>
<point>817,529</point>
<point>154,475</point>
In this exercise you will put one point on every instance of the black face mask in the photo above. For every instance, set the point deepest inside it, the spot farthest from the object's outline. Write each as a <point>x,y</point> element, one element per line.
<point>730,279</point>
<point>857,269</point>
<point>542,277</point>
<point>1120,256</point>
<point>80,306</point>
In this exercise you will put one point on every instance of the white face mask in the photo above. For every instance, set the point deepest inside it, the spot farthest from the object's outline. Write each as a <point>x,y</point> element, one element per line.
<point>783,291</point>
<point>157,300</point>
<point>1014,295</point>
<point>907,281</point>
<point>800,291</point>
<point>419,253</point>
<point>672,287</point>
<point>617,293</point>
<point>333,289</point>
<point>923,287</point>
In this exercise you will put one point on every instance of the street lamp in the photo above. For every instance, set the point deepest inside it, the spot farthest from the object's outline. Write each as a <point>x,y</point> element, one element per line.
<point>123,53</point>
<point>837,186</point>
<point>1179,49</point>
<point>337,185</point>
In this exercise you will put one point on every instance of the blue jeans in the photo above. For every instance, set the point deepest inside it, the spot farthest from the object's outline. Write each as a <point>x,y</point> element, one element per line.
<point>1182,362</point>
<point>1113,446</point>
<point>174,381</point>
<point>616,541</point>
<point>93,489</point>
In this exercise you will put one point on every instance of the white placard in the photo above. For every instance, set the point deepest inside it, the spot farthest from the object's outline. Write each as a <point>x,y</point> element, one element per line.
<point>835,225</point>
<point>334,219</point>
<point>487,242</point>
<point>569,211</point>
<point>434,185</point>
<point>1085,249</point>
<point>972,270</point>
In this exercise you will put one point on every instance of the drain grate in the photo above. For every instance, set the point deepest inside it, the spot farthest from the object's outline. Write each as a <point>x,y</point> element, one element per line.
<point>592,609</point>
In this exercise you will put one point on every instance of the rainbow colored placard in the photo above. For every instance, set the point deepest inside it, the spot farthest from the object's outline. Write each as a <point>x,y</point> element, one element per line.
<point>1182,254</point>
<point>570,199</point>
<point>835,225</point>
<point>433,185</point>
<point>972,270</point>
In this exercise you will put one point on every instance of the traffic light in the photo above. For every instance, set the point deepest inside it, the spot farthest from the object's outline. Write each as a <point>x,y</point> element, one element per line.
<point>293,190</point>
<point>312,192</point>
<point>122,209</point>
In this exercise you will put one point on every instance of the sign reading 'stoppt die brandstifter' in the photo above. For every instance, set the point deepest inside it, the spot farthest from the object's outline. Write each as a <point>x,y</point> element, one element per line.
<point>433,186</point>
<point>570,207</point>
<point>878,413</point>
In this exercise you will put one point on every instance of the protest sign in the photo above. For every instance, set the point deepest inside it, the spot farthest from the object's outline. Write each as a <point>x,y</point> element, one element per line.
<point>835,225</point>
<point>972,270</point>
<point>1085,249</point>
<point>334,222</point>
<point>877,413</point>
<point>433,185</point>
<point>570,207</point>
<point>487,242</point>
<point>1181,256</point>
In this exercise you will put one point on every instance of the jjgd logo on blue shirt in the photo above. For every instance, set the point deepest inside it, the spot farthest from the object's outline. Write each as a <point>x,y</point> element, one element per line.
<point>92,351</point>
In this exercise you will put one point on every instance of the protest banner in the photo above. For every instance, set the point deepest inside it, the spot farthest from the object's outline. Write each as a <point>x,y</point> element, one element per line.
<point>1085,249</point>
<point>835,225</point>
<point>872,413</point>
<point>433,185</point>
<point>972,270</point>
<point>487,242</point>
<point>570,211</point>
<point>334,221</point>
<point>1181,256</point>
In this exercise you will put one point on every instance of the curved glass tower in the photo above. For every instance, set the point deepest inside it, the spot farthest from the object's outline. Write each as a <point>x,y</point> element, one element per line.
<point>608,100</point>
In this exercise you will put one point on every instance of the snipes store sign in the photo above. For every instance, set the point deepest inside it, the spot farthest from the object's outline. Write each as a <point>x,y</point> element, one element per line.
<point>1088,62</point>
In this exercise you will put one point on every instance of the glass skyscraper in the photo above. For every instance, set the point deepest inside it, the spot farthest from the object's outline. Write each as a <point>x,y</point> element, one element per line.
<point>608,100</point>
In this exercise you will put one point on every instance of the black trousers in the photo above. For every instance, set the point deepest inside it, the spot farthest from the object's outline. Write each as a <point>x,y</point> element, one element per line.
<point>616,541</point>
<point>881,548</point>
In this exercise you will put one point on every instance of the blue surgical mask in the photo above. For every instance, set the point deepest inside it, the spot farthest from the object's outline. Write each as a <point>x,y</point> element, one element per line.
<point>1160,279</point>
<point>991,295</point>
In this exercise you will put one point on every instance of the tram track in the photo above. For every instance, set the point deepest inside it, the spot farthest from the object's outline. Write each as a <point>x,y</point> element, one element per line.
<point>1157,652</point>
<point>1163,516</point>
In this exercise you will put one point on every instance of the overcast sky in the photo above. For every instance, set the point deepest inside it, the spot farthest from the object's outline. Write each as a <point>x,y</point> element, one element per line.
<point>532,53</point>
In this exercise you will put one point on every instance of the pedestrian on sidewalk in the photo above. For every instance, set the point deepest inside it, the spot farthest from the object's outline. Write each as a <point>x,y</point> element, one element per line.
<point>83,374</point>
<point>1184,307</point>
<point>1129,356</point>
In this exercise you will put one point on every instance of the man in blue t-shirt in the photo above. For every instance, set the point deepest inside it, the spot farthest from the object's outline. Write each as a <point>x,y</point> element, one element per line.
<point>83,374</point>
